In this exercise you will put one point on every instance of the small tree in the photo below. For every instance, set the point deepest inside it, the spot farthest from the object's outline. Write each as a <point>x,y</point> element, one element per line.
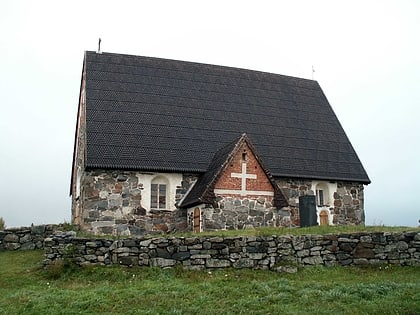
<point>2,224</point>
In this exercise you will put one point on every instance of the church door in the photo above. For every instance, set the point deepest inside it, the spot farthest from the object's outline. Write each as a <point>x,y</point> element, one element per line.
<point>323,218</point>
<point>196,220</point>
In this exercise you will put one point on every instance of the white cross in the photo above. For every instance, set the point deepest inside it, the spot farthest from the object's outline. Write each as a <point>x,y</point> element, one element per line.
<point>243,176</point>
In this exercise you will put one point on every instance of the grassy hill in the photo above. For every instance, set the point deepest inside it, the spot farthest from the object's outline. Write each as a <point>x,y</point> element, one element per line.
<point>26,288</point>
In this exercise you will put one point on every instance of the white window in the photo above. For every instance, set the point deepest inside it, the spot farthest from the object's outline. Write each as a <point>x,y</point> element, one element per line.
<point>159,192</point>
<point>78,180</point>
<point>322,195</point>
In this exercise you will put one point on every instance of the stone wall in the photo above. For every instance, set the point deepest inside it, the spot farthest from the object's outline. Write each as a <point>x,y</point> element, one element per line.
<point>346,206</point>
<point>233,213</point>
<point>279,253</point>
<point>26,238</point>
<point>118,203</point>
<point>349,204</point>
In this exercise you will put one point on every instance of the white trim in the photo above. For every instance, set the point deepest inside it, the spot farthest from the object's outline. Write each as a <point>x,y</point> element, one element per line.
<point>173,180</point>
<point>243,176</point>
<point>243,193</point>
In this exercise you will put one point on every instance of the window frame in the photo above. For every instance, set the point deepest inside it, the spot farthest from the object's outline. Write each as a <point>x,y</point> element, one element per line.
<point>159,189</point>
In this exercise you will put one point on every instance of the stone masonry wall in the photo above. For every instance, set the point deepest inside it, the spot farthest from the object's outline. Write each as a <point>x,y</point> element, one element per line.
<point>347,205</point>
<point>279,253</point>
<point>112,203</point>
<point>233,213</point>
<point>115,202</point>
<point>26,238</point>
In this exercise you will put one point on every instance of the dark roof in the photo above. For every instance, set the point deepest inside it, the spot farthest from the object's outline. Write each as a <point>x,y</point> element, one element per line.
<point>203,189</point>
<point>166,115</point>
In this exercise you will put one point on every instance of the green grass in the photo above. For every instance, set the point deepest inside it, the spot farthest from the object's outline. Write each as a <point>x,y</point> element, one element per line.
<point>26,288</point>
<point>263,231</point>
<point>320,230</point>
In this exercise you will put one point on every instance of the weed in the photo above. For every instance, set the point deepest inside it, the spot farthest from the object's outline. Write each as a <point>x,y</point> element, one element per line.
<point>2,224</point>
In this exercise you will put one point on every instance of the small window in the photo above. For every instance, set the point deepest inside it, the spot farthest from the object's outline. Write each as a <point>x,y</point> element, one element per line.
<point>158,196</point>
<point>78,182</point>
<point>320,197</point>
<point>244,156</point>
<point>159,193</point>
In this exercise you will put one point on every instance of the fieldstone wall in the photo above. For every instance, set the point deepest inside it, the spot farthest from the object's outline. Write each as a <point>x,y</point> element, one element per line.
<point>279,253</point>
<point>233,213</point>
<point>112,203</point>
<point>347,206</point>
<point>117,202</point>
<point>26,238</point>
<point>111,200</point>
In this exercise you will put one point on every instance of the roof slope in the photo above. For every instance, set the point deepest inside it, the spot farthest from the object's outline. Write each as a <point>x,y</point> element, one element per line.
<point>166,115</point>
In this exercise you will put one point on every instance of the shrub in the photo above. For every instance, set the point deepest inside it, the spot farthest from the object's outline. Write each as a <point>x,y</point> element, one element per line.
<point>2,224</point>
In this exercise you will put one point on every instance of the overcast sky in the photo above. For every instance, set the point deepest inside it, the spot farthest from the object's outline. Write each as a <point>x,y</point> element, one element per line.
<point>366,56</point>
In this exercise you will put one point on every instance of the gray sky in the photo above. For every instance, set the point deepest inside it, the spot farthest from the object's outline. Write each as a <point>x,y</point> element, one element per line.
<point>366,56</point>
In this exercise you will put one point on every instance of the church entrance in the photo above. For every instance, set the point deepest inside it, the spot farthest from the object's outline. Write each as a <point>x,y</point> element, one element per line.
<point>323,218</point>
<point>196,221</point>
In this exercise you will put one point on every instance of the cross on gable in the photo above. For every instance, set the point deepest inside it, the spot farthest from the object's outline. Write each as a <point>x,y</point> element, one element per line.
<point>243,191</point>
<point>243,176</point>
<point>242,173</point>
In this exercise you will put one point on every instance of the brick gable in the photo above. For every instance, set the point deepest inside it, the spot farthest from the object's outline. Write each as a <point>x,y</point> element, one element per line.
<point>244,169</point>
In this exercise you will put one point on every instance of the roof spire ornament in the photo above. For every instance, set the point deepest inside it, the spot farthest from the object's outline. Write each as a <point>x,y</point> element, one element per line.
<point>99,46</point>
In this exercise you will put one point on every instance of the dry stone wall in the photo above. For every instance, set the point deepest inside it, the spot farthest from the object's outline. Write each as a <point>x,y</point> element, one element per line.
<point>279,253</point>
<point>26,238</point>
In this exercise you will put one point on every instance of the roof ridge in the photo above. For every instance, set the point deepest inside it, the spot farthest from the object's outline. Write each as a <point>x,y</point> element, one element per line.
<point>198,63</point>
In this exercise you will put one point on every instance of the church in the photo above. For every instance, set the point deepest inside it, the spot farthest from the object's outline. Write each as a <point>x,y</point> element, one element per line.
<point>165,145</point>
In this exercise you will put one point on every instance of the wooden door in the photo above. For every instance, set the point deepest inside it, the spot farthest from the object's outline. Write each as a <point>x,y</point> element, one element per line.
<point>197,220</point>
<point>323,218</point>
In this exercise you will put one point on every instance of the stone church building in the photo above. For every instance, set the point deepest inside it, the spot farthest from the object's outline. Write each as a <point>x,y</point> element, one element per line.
<point>166,145</point>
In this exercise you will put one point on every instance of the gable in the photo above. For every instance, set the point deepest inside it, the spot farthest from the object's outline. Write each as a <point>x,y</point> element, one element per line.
<point>154,114</point>
<point>243,176</point>
<point>227,176</point>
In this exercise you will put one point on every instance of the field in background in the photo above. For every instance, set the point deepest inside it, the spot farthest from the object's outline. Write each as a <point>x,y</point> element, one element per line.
<point>26,288</point>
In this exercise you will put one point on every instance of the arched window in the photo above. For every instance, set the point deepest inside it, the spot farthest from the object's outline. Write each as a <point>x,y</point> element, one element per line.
<point>159,193</point>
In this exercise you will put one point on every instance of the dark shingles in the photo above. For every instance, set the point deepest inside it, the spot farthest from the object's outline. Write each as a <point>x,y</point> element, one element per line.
<point>150,113</point>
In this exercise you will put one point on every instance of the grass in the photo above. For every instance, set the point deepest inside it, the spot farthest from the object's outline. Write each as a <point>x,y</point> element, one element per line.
<point>320,230</point>
<point>26,288</point>
<point>264,231</point>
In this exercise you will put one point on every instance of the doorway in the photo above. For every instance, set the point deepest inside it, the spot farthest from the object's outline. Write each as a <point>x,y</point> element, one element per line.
<point>323,218</point>
<point>196,220</point>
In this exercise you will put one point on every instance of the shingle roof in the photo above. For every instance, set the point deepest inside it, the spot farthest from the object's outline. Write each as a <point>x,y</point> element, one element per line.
<point>166,115</point>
